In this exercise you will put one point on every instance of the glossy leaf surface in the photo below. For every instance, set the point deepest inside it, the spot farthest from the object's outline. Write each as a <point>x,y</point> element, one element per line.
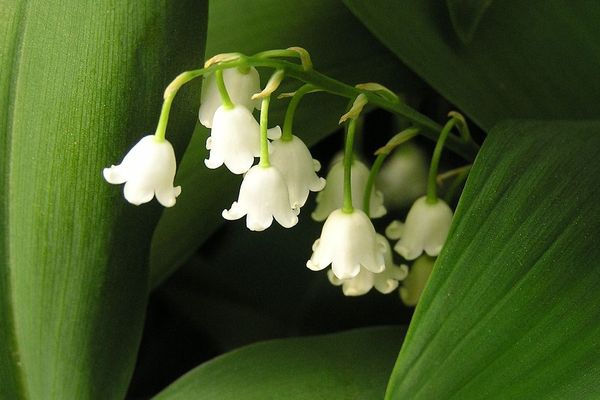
<point>529,59</point>
<point>348,365</point>
<point>81,82</point>
<point>512,309</point>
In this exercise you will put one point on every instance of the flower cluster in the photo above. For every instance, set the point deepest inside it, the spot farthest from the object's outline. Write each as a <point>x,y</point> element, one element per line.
<point>276,190</point>
<point>278,185</point>
<point>355,251</point>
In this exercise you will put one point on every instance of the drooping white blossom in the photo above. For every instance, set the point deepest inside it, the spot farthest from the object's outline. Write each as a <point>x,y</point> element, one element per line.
<point>263,195</point>
<point>332,196</point>
<point>298,168</point>
<point>385,282</point>
<point>412,287</point>
<point>348,242</point>
<point>403,177</point>
<point>425,230</point>
<point>235,139</point>
<point>240,87</point>
<point>147,170</point>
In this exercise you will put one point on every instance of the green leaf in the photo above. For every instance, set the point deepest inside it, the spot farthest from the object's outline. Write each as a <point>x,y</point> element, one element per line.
<point>350,53</point>
<point>512,308</point>
<point>527,61</point>
<point>348,365</point>
<point>466,15</point>
<point>81,82</point>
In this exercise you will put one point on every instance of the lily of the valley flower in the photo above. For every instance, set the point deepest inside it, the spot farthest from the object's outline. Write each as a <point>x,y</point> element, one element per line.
<point>413,285</point>
<point>147,170</point>
<point>348,242</point>
<point>240,86</point>
<point>263,195</point>
<point>385,282</point>
<point>235,139</point>
<point>298,168</point>
<point>426,229</point>
<point>403,177</point>
<point>332,197</point>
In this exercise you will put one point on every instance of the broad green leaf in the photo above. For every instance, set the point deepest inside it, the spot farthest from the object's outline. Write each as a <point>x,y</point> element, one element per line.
<point>512,309</point>
<point>81,82</point>
<point>348,365</point>
<point>350,53</point>
<point>530,59</point>
<point>466,15</point>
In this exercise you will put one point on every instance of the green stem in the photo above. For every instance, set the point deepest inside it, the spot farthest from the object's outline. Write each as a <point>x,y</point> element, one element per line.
<point>291,111</point>
<point>435,162</point>
<point>225,99</point>
<point>348,157</point>
<point>264,140</point>
<point>371,181</point>
<point>169,96</point>
<point>429,128</point>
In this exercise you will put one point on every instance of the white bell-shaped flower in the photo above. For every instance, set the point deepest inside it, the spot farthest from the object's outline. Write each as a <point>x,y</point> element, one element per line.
<point>332,196</point>
<point>235,139</point>
<point>298,168</point>
<point>240,87</point>
<point>385,282</point>
<point>348,242</point>
<point>263,195</point>
<point>415,282</point>
<point>403,177</point>
<point>426,229</point>
<point>147,170</point>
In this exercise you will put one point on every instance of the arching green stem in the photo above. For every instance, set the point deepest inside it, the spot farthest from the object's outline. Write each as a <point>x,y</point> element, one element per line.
<point>435,161</point>
<point>264,140</point>
<point>169,96</point>
<point>348,158</point>
<point>429,128</point>
<point>382,153</point>
<point>291,111</point>
<point>371,181</point>
<point>225,99</point>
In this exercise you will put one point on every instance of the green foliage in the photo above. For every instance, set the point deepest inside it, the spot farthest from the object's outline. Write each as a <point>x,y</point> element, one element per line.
<point>466,16</point>
<point>528,60</point>
<point>79,82</point>
<point>512,306</point>
<point>349,365</point>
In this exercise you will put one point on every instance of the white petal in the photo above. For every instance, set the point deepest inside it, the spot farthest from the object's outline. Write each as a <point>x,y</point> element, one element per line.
<point>403,177</point>
<point>167,196</point>
<point>394,230</point>
<point>235,139</point>
<point>334,280</point>
<point>332,196</point>
<point>148,168</point>
<point>347,241</point>
<point>258,222</point>
<point>426,228</point>
<point>274,133</point>
<point>136,194</point>
<point>264,195</point>
<point>115,174</point>
<point>235,212</point>
<point>293,159</point>
<point>240,87</point>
